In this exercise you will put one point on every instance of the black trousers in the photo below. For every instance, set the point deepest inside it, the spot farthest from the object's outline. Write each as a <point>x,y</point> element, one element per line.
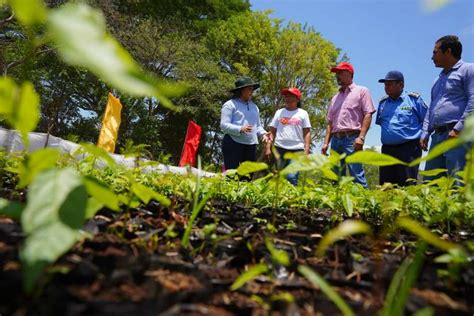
<point>399,174</point>
<point>236,153</point>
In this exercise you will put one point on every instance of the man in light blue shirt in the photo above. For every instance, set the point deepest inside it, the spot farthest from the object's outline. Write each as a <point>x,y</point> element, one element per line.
<point>452,100</point>
<point>400,116</point>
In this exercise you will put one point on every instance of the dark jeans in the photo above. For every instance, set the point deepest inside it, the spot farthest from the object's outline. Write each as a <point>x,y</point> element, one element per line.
<point>236,153</point>
<point>399,174</point>
<point>282,163</point>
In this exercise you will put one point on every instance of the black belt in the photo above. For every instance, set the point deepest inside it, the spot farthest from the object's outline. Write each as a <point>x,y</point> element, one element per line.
<point>444,128</point>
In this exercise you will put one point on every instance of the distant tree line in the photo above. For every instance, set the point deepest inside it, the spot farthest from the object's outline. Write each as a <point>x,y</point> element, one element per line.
<point>205,43</point>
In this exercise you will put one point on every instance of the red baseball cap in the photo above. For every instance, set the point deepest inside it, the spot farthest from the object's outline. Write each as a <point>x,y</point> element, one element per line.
<point>294,91</point>
<point>343,66</point>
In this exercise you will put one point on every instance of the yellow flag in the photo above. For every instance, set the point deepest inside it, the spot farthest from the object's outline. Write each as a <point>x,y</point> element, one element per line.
<point>110,124</point>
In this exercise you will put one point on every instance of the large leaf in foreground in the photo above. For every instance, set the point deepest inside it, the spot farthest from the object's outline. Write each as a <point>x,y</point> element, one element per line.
<point>373,158</point>
<point>19,105</point>
<point>438,150</point>
<point>319,282</point>
<point>402,282</point>
<point>29,12</point>
<point>55,212</point>
<point>248,167</point>
<point>80,33</point>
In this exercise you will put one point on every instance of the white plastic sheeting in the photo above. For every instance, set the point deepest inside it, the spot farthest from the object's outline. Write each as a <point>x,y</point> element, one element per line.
<point>12,142</point>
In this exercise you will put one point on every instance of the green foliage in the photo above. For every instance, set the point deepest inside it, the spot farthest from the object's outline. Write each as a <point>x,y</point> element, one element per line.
<point>19,106</point>
<point>82,40</point>
<point>319,282</point>
<point>346,228</point>
<point>279,256</point>
<point>402,282</point>
<point>35,163</point>
<point>248,167</point>
<point>29,12</point>
<point>55,212</point>
<point>249,275</point>
<point>417,229</point>
<point>373,158</point>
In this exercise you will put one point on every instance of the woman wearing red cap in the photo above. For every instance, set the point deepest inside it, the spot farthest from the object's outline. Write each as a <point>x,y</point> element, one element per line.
<point>290,129</point>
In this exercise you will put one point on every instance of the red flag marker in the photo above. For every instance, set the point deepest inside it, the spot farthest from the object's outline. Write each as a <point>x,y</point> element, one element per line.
<point>191,144</point>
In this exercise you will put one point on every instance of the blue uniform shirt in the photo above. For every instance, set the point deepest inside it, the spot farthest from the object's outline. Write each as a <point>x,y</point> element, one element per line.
<point>401,120</point>
<point>237,113</point>
<point>452,98</point>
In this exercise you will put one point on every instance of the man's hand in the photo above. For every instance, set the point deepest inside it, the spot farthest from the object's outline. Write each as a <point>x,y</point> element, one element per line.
<point>453,133</point>
<point>358,144</point>
<point>246,129</point>
<point>324,149</point>
<point>424,144</point>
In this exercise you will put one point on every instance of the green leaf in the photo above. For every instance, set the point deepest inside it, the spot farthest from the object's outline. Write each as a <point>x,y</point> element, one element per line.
<point>373,158</point>
<point>319,282</point>
<point>46,196</point>
<point>11,209</point>
<point>93,206</point>
<point>402,282</point>
<point>8,94</point>
<point>145,194</point>
<point>467,134</point>
<point>346,228</point>
<point>438,150</point>
<point>54,213</point>
<point>248,167</point>
<point>80,33</point>
<point>102,193</point>
<point>19,106</point>
<point>27,110</point>
<point>97,152</point>
<point>348,204</point>
<point>422,232</point>
<point>35,163</point>
<point>432,172</point>
<point>280,256</point>
<point>249,275</point>
<point>29,12</point>
<point>196,210</point>
<point>44,246</point>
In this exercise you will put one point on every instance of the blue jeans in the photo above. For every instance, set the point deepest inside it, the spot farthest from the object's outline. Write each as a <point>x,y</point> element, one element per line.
<point>454,160</point>
<point>282,163</point>
<point>345,144</point>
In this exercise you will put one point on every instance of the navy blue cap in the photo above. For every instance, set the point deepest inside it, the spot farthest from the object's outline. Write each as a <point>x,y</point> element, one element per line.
<point>393,75</point>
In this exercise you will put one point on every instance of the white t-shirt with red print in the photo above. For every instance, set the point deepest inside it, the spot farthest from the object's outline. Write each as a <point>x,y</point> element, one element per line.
<point>289,128</point>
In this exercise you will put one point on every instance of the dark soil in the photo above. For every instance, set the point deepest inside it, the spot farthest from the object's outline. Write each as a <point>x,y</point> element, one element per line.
<point>134,265</point>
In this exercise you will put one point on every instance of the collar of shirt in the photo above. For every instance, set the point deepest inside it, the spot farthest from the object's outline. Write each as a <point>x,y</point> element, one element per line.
<point>348,88</point>
<point>455,67</point>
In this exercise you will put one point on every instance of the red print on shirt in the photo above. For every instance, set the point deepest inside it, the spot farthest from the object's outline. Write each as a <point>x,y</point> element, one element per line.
<point>289,121</point>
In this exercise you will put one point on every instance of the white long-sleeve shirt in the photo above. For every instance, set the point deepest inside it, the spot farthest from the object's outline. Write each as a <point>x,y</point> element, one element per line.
<point>237,113</point>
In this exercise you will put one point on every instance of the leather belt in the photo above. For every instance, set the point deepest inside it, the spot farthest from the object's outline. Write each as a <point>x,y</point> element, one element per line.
<point>444,128</point>
<point>345,134</point>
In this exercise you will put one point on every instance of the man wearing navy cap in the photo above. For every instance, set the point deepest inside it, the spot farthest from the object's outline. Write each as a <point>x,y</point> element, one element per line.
<point>452,100</point>
<point>401,116</point>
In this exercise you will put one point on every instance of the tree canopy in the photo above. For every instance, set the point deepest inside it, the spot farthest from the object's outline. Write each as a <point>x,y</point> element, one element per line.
<point>205,44</point>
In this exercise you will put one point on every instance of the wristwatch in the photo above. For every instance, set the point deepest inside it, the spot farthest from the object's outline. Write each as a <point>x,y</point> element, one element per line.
<point>362,137</point>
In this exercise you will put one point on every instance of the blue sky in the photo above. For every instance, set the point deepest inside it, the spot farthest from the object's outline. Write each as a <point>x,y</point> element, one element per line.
<point>382,35</point>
